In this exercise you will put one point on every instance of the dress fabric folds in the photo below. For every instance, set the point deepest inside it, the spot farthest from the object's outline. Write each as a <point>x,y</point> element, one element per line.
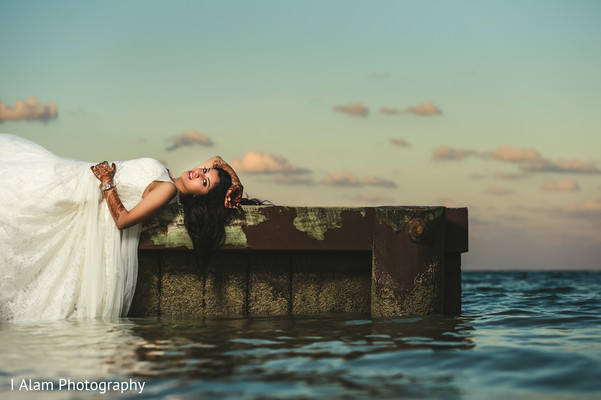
<point>61,254</point>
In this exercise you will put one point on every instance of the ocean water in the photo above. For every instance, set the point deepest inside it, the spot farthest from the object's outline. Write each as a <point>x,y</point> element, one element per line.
<point>522,335</point>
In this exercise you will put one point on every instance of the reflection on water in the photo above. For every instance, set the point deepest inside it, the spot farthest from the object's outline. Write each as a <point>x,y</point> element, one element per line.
<point>523,335</point>
<point>313,357</point>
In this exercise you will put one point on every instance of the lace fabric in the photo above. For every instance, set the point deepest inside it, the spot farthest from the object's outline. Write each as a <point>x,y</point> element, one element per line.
<point>61,255</point>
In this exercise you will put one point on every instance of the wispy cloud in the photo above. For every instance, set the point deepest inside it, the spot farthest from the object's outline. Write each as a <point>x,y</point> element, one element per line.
<point>189,138</point>
<point>399,142</point>
<point>29,110</point>
<point>354,109</point>
<point>294,180</point>
<point>370,180</point>
<point>343,178</point>
<point>255,162</point>
<point>590,209</point>
<point>564,166</point>
<point>511,154</point>
<point>448,153</point>
<point>565,185</point>
<point>425,110</point>
<point>527,160</point>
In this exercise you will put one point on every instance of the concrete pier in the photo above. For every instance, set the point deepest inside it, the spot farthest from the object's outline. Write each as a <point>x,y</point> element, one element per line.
<point>383,261</point>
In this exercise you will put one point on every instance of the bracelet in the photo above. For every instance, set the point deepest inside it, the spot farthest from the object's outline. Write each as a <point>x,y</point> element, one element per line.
<point>107,186</point>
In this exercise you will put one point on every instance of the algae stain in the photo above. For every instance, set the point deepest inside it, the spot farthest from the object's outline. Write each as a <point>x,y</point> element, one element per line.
<point>234,234</point>
<point>398,217</point>
<point>315,222</point>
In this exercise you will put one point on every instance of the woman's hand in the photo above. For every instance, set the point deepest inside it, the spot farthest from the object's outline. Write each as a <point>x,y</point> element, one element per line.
<point>234,193</point>
<point>103,172</point>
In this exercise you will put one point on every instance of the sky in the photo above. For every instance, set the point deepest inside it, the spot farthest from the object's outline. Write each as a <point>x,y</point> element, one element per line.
<point>490,105</point>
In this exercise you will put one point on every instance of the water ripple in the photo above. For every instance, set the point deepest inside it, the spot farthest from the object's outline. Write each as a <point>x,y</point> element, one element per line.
<point>522,335</point>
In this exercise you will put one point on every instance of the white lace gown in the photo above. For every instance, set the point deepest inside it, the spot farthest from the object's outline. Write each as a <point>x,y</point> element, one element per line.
<point>61,254</point>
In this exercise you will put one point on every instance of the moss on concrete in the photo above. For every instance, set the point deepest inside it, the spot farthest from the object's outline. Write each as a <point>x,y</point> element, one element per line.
<point>423,298</point>
<point>278,282</point>
<point>398,217</point>
<point>251,216</point>
<point>316,221</point>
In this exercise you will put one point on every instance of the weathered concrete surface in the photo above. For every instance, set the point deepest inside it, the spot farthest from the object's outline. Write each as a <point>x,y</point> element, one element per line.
<point>305,260</point>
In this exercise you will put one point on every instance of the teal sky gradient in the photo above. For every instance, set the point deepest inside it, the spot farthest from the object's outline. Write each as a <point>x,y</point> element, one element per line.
<point>265,76</point>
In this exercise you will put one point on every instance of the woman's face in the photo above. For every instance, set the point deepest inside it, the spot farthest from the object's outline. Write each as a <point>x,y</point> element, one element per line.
<point>200,180</point>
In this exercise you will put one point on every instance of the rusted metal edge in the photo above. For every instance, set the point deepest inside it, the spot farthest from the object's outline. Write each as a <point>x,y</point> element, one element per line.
<point>309,228</point>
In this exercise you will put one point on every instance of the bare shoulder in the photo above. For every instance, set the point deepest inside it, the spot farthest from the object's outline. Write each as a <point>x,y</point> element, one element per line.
<point>166,189</point>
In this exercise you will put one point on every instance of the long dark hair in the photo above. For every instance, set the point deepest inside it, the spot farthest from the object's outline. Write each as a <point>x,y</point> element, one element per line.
<point>205,217</point>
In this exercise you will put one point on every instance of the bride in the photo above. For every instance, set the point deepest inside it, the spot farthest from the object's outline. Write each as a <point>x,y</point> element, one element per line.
<point>69,230</point>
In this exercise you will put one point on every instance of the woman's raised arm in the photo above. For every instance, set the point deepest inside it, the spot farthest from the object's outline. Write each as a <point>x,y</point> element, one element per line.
<point>156,195</point>
<point>234,193</point>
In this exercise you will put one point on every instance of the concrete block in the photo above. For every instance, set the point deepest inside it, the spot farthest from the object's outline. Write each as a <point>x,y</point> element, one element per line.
<point>226,285</point>
<point>146,301</point>
<point>269,283</point>
<point>324,282</point>
<point>181,287</point>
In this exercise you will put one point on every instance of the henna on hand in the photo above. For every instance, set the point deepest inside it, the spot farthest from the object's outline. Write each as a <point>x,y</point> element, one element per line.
<point>103,172</point>
<point>234,193</point>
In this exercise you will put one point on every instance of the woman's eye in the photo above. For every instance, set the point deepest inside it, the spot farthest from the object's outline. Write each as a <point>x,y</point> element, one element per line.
<point>204,170</point>
<point>204,182</point>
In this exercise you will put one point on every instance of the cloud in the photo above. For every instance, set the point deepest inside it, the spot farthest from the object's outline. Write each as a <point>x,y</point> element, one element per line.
<point>30,110</point>
<point>447,153</point>
<point>294,180</point>
<point>531,161</point>
<point>377,181</point>
<point>588,209</point>
<point>255,162</point>
<point>565,185</point>
<point>498,191</point>
<point>425,110</point>
<point>511,154</point>
<point>355,109</point>
<point>528,160</point>
<point>343,178</point>
<point>189,138</point>
<point>566,166</point>
<point>399,142</point>
<point>371,198</point>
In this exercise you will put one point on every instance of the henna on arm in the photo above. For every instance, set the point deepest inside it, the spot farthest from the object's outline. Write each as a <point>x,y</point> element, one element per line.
<point>105,174</point>
<point>156,195</point>
<point>114,203</point>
